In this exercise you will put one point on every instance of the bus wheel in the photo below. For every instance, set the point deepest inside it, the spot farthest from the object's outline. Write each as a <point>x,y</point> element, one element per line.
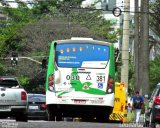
<point>103,118</point>
<point>59,116</point>
<point>51,116</point>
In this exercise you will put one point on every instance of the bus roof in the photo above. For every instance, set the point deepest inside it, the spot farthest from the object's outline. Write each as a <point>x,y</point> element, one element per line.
<point>82,41</point>
<point>81,38</point>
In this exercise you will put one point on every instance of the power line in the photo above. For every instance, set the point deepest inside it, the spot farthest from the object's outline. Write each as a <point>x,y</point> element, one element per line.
<point>75,7</point>
<point>24,57</point>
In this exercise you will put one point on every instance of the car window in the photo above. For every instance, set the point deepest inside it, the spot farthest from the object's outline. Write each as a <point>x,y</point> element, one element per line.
<point>36,98</point>
<point>8,83</point>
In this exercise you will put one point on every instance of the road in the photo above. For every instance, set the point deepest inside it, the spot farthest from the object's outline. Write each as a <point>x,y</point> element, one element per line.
<point>8,123</point>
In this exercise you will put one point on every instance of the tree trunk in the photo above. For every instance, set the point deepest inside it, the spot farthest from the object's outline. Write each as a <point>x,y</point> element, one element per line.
<point>144,49</point>
<point>136,46</point>
<point>145,82</point>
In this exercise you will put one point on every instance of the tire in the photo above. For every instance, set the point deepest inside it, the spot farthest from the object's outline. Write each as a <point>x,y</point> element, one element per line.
<point>46,118</point>
<point>51,116</point>
<point>152,123</point>
<point>22,117</point>
<point>54,117</point>
<point>103,118</point>
<point>59,115</point>
<point>3,117</point>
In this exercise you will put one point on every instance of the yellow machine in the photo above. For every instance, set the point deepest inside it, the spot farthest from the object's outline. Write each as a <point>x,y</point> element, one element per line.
<point>120,103</point>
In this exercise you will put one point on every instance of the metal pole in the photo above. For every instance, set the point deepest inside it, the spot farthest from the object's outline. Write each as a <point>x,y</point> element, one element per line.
<point>125,44</point>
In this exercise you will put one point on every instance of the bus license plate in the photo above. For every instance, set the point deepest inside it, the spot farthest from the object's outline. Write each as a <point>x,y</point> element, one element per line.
<point>97,101</point>
<point>80,101</point>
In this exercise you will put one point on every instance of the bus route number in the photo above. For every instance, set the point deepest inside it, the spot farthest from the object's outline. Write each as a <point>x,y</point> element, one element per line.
<point>100,79</point>
<point>68,77</point>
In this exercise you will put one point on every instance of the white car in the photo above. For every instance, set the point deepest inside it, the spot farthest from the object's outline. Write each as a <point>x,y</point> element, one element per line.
<point>13,99</point>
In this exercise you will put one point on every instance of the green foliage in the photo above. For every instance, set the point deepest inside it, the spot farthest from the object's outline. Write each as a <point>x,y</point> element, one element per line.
<point>154,17</point>
<point>154,75</point>
<point>11,37</point>
<point>2,69</point>
<point>23,80</point>
<point>73,2</point>
<point>18,16</point>
<point>41,7</point>
<point>131,77</point>
<point>5,68</point>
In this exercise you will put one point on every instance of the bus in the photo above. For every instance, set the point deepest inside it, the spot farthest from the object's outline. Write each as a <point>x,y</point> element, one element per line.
<point>80,79</point>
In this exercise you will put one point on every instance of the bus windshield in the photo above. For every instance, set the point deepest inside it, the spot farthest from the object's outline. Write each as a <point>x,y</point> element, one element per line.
<point>82,55</point>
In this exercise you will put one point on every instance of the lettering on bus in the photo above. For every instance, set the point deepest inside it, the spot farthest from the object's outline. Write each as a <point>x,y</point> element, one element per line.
<point>117,99</point>
<point>68,77</point>
<point>100,79</point>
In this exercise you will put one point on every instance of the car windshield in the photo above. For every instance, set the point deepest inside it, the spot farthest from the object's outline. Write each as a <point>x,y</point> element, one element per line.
<point>36,98</point>
<point>8,83</point>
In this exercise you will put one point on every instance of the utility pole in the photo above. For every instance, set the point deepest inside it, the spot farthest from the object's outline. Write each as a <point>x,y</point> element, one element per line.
<point>125,44</point>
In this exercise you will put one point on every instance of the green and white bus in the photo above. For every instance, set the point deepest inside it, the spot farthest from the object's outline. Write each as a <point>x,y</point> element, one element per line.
<point>80,79</point>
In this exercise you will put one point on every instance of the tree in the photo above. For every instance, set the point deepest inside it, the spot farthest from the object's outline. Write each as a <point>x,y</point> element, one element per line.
<point>141,58</point>
<point>144,48</point>
<point>136,47</point>
<point>11,38</point>
<point>154,16</point>
<point>154,26</point>
<point>154,75</point>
